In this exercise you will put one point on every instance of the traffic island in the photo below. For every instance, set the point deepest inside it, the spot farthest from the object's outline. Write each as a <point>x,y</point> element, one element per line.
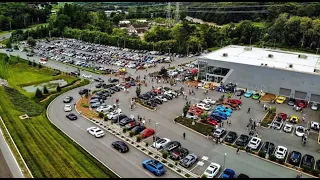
<point>199,127</point>
<point>268,118</point>
<point>144,105</point>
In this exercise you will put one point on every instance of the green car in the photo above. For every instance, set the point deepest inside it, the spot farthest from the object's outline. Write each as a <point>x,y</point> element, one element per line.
<point>256,96</point>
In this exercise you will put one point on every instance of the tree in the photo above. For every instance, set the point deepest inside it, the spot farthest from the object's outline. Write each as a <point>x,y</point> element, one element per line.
<point>163,72</point>
<point>40,66</point>
<point>58,88</point>
<point>16,47</point>
<point>138,91</point>
<point>31,42</point>
<point>45,90</point>
<point>29,63</point>
<point>34,64</point>
<point>38,94</point>
<point>8,44</point>
<point>185,110</point>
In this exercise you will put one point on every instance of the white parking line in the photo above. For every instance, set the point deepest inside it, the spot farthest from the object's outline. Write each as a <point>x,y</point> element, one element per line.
<point>293,130</point>
<point>236,140</point>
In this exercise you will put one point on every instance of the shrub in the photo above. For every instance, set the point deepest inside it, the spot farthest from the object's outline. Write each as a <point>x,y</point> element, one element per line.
<point>179,170</point>
<point>38,94</point>
<point>101,115</point>
<point>281,161</point>
<point>124,130</point>
<point>315,172</point>
<point>105,118</point>
<point>131,133</point>
<point>234,145</point>
<point>187,175</point>
<point>170,165</point>
<point>272,157</point>
<point>204,116</point>
<point>147,144</point>
<point>164,161</point>
<point>156,157</point>
<point>34,64</point>
<point>58,89</point>
<point>29,63</point>
<point>165,154</point>
<point>204,176</point>
<point>84,105</point>
<point>176,163</point>
<point>45,90</point>
<point>39,66</point>
<point>306,168</point>
<point>150,153</point>
<point>139,138</point>
<point>262,154</point>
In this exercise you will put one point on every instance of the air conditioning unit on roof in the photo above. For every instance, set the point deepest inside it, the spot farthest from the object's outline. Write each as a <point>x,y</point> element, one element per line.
<point>248,48</point>
<point>225,54</point>
<point>302,56</point>
<point>270,55</point>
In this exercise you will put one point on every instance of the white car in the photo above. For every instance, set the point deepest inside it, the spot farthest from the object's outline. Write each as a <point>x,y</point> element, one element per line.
<point>280,152</point>
<point>130,65</point>
<point>212,170</point>
<point>67,108</point>
<point>315,106</point>
<point>114,114</point>
<point>254,143</point>
<point>43,62</point>
<point>315,125</point>
<point>107,108</point>
<point>204,106</point>
<point>208,100</point>
<point>162,98</point>
<point>200,84</point>
<point>288,128</point>
<point>191,116</point>
<point>160,143</point>
<point>87,76</point>
<point>95,131</point>
<point>300,130</point>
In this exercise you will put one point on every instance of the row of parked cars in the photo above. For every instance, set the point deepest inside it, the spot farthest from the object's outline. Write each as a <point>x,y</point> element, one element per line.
<point>158,96</point>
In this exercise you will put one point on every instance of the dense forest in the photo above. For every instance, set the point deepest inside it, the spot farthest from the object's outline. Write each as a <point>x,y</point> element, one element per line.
<point>20,15</point>
<point>289,29</point>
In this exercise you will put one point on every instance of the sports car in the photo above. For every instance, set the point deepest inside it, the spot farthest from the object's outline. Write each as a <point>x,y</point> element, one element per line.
<point>220,115</point>
<point>224,108</point>
<point>280,99</point>
<point>222,112</point>
<point>256,96</point>
<point>283,116</point>
<point>212,121</point>
<point>154,166</point>
<point>294,119</point>
<point>212,170</point>
<point>302,103</point>
<point>248,94</point>
<point>288,128</point>
<point>208,100</point>
<point>228,173</point>
<point>300,130</point>
<point>234,101</point>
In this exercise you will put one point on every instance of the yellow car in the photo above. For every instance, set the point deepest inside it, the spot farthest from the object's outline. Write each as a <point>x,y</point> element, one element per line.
<point>294,119</point>
<point>280,99</point>
<point>207,85</point>
<point>122,69</point>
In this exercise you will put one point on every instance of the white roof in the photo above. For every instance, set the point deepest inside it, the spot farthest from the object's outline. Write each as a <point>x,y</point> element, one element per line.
<point>141,20</point>
<point>124,22</point>
<point>259,56</point>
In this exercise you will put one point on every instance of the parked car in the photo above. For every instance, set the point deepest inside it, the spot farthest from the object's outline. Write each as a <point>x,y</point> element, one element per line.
<point>95,131</point>
<point>147,133</point>
<point>280,99</point>
<point>154,166</point>
<point>212,170</point>
<point>191,115</point>
<point>315,106</point>
<point>72,116</point>
<point>242,140</point>
<point>308,161</point>
<point>288,128</point>
<point>300,131</point>
<point>268,147</point>
<point>171,146</point>
<point>115,119</point>
<point>67,99</point>
<point>138,129</point>
<point>228,173</point>
<point>291,102</point>
<point>294,119</point>
<point>239,92</point>
<point>131,125</point>
<point>256,96</point>
<point>242,176</point>
<point>318,165</point>
<point>160,143</point>
<point>219,132</point>
<point>83,91</point>
<point>231,137</point>
<point>234,101</point>
<point>248,94</point>
<point>189,160</point>
<point>125,121</point>
<point>254,143</point>
<point>281,152</point>
<point>120,146</point>
<point>302,103</point>
<point>208,100</point>
<point>179,153</point>
<point>315,126</point>
<point>295,158</point>
<point>67,108</point>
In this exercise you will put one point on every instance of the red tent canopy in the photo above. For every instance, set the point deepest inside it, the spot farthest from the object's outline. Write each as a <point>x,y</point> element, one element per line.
<point>194,70</point>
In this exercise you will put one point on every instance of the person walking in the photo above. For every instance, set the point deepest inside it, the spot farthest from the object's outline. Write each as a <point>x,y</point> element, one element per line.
<point>149,120</point>
<point>184,135</point>
<point>248,110</point>
<point>143,122</point>
<point>238,149</point>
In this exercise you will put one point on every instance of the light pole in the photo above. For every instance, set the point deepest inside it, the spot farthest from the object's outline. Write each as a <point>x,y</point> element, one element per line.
<point>274,45</point>
<point>250,40</point>
<point>224,160</point>
<point>155,131</point>
<point>169,53</point>
<point>317,50</point>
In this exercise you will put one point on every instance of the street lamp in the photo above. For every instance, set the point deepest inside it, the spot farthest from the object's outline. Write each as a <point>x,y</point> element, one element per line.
<point>250,40</point>
<point>169,53</point>
<point>224,160</point>
<point>155,131</point>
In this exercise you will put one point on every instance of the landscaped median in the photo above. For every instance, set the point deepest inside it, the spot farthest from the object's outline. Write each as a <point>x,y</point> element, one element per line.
<point>199,127</point>
<point>269,117</point>
<point>141,103</point>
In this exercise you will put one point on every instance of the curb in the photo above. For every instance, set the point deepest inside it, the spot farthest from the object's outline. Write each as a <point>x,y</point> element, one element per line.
<point>250,154</point>
<point>147,107</point>
<point>47,114</point>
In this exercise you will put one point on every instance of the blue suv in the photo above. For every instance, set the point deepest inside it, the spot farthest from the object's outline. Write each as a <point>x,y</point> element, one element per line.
<point>154,166</point>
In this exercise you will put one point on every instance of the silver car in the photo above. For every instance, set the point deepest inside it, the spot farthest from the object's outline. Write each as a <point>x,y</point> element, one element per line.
<point>189,160</point>
<point>315,106</point>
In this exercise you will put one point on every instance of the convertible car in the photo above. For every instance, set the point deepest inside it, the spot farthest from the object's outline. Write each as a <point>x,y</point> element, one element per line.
<point>248,94</point>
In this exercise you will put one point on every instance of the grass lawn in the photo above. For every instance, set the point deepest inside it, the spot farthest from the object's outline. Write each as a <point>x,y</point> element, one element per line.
<point>37,25</point>
<point>4,32</point>
<point>48,152</point>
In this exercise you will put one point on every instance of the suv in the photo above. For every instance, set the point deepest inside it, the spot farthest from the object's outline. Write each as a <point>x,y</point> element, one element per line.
<point>179,153</point>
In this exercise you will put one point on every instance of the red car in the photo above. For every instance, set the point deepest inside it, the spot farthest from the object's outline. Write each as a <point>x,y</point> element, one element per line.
<point>212,121</point>
<point>234,101</point>
<point>302,103</point>
<point>147,133</point>
<point>157,90</point>
<point>195,110</point>
<point>127,85</point>
<point>283,116</point>
<point>139,67</point>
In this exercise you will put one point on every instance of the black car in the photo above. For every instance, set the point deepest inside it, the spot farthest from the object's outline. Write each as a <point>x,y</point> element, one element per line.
<point>179,153</point>
<point>99,85</point>
<point>67,99</point>
<point>295,158</point>
<point>83,91</point>
<point>57,73</point>
<point>111,91</point>
<point>98,80</point>
<point>106,86</point>
<point>72,116</point>
<point>113,80</point>
<point>231,137</point>
<point>171,146</point>
<point>75,73</point>
<point>242,140</point>
<point>120,117</point>
<point>155,100</point>
<point>138,129</point>
<point>9,50</point>
<point>239,92</point>
<point>115,88</point>
<point>167,97</point>
<point>318,165</point>
<point>268,147</point>
<point>291,102</point>
<point>243,176</point>
<point>150,103</point>
<point>144,97</point>
<point>308,161</point>
<point>125,121</point>
<point>120,146</point>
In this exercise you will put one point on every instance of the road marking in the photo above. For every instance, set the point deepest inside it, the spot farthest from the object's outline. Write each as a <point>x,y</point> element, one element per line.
<point>261,144</point>
<point>293,130</point>
<point>236,140</point>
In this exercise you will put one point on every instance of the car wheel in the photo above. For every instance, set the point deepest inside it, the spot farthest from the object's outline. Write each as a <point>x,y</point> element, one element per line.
<point>120,150</point>
<point>144,166</point>
<point>155,173</point>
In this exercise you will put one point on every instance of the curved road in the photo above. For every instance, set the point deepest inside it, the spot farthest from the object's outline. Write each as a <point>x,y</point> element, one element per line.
<point>124,164</point>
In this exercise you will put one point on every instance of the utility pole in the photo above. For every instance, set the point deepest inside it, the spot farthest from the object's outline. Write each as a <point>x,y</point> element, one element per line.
<point>274,44</point>
<point>177,15</point>
<point>10,25</point>
<point>302,41</point>
<point>250,40</point>
<point>168,17</point>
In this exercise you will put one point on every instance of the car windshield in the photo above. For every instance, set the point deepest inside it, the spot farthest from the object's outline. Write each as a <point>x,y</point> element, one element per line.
<point>209,171</point>
<point>98,131</point>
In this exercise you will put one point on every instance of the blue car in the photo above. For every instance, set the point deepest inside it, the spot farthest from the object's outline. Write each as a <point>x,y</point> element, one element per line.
<point>132,83</point>
<point>248,94</point>
<point>224,108</point>
<point>222,111</point>
<point>154,166</point>
<point>228,173</point>
<point>220,89</point>
<point>220,115</point>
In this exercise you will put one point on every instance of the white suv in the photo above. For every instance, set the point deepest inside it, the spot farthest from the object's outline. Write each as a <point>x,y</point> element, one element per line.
<point>254,143</point>
<point>281,152</point>
<point>95,131</point>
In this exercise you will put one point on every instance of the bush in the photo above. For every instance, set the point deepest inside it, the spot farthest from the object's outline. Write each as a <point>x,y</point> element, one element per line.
<point>16,47</point>
<point>204,176</point>
<point>150,153</point>
<point>29,63</point>
<point>131,133</point>
<point>165,154</point>
<point>187,175</point>
<point>272,157</point>
<point>84,105</point>
<point>39,66</point>
<point>147,144</point>
<point>124,130</point>
<point>105,118</point>
<point>306,168</point>
<point>101,115</point>
<point>34,64</point>
<point>156,157</point>
<point>234,145</point>
<point>176,163</point>
<point>139,138</point>
<point>45,90</point>
<point>262,154</point>
<point>315,172</point>
<point>204,129</point>
<point>38,94</point>
<point>58,89</point>
<point>179,170</point>
<point>281,161</point>
<point>170,165</point>
<point>164,161</point>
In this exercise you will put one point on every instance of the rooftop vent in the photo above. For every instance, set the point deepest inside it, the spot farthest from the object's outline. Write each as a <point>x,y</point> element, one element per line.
<point>248,48</point>
<point>270,55</point>
<point>302,56</point>
<point>225,54</point>
<point>290,65</point>
<point>261,64</point>
<point>265,64</point>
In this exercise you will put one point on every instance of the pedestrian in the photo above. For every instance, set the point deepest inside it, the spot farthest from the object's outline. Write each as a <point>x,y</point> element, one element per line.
<point>143,122</point>
<point>254,125</point>
<point>239,107</point>
<point>240,98</point>
<point>149,120</point>
<point>154,138</point>
<point>138,117</point>
<point>217,140</point>
<point>238,149</point>
<point>299,175</point>
<point>184,135</point>
<point>222,124</point>
<point>220,140</point>
<point>259,101</point>
<point>248,110</point>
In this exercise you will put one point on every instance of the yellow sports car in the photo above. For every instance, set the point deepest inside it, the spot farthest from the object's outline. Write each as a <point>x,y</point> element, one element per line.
<point>280,99</point>
<point>207,85</point>
<point>122,69</point>
<point>294,119</point>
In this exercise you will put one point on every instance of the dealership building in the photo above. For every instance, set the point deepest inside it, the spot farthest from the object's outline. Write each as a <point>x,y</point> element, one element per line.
<point>290,74</point>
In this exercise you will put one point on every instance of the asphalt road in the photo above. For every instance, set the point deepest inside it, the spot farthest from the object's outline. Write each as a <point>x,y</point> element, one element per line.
<point>201,146</point>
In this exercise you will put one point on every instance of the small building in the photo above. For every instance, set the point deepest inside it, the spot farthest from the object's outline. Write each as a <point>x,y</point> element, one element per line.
<point>290,74</point>
<point>138,28</point>
<point>142,21</point>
